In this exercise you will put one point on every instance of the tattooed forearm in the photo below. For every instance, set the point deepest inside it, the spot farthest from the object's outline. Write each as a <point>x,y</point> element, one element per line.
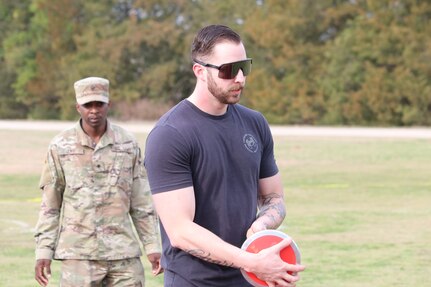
<point>272,208</point>
<point>268,199</point>
<point>207,257</point>
<point>276,210</point>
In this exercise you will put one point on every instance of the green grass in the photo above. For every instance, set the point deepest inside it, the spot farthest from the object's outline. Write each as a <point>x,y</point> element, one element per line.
<point>359,209</point>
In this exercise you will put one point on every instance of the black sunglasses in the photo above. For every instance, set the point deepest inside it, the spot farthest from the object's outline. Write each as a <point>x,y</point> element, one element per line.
<point>230,70</point>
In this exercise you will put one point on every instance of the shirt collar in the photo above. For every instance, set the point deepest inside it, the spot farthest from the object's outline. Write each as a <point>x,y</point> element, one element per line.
<point>85,140</point>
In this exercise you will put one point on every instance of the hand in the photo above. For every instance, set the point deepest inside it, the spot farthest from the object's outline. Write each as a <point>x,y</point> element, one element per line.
<point>273,270</point>
<point>42,271</point>
<point>156,267</point>
<point>255,227</point>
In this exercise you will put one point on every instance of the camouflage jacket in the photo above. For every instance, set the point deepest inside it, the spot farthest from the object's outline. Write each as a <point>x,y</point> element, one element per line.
<point>91,196</point>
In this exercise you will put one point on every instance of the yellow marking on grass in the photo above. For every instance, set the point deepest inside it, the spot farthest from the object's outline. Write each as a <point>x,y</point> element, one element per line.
<point>35,200</point>
<point>333,185</point>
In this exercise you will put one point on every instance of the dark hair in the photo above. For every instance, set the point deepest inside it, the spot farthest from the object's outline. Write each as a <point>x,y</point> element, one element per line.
<point>209,36</point>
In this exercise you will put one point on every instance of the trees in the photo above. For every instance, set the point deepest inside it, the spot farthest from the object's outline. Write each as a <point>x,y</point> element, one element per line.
<point>376,72</point>
<point>41,34</point>
<point>287,52</point>
<point>332,62</point>
<point>12,21</point>
<point>341,62</point>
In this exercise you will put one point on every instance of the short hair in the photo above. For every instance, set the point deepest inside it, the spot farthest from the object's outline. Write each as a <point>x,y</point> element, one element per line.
<point>209,36</point>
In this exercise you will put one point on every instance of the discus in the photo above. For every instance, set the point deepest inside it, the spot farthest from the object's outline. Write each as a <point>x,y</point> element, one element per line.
<point>265,239</point>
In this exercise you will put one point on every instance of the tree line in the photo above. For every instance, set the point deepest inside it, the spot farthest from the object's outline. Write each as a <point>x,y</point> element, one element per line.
<point>326,62</point>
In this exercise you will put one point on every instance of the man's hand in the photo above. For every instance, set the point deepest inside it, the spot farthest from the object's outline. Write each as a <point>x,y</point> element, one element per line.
<point>42,271</point>
<point>255,227</point>
<point>156,267</point>
<point>270,268</point>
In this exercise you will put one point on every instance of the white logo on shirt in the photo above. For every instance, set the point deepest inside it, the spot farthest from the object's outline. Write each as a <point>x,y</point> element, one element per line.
<point>250,143</point>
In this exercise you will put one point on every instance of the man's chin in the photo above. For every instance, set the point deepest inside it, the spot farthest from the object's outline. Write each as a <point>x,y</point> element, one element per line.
<point>234,99</point>
<point>94,122</point>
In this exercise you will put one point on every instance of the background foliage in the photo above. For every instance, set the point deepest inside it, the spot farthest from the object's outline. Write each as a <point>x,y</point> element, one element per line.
<point>332,62</point>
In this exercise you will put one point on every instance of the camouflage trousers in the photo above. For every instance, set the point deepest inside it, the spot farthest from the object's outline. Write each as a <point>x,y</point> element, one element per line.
<point>102,273</point>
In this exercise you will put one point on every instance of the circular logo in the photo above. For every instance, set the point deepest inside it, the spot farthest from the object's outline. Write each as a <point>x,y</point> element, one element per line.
<point>250,143</point>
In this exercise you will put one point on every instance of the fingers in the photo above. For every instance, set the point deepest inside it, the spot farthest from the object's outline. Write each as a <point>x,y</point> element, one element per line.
<point>42,271</point>
<point>280,283</point>
<point>295,268</point>
<point>156,268</point>
<point>286,281</point>
<point>291,271</point>
<point>277,272</point>
<point>282,244</point>
<point>43,281</point>
<point>292,268</point>
<point>255,227</point>
<point>249,232</point>
<point>47,271</point>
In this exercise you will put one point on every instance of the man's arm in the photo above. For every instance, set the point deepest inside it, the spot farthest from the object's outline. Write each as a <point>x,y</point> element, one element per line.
<point>176,210</point>
<point>143,215</point>
<point>52,185</point>
<point>271,205</point>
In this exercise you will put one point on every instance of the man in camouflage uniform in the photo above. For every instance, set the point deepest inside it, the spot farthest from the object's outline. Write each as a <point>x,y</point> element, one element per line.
<point>94,186</point>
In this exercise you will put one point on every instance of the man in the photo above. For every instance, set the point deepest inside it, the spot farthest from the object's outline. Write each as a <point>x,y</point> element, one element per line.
<point>93,180</point>
<point>210,164</point>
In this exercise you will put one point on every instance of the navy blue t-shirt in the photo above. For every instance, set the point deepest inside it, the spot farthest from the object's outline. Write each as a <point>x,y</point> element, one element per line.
<point>223,158</point>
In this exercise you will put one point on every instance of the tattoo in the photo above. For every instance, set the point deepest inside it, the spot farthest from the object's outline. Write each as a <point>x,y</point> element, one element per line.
<point>207,257</point>
<point>272,207</point>
<point>269,198</point>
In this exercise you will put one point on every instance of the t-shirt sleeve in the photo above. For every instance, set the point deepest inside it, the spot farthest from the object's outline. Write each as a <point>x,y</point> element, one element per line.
<point>167,160</point>
<point>268,165</point>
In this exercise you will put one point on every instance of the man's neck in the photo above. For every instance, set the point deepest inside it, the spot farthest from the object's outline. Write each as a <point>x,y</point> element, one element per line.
<point>95,133</point>
<point>207,103</point>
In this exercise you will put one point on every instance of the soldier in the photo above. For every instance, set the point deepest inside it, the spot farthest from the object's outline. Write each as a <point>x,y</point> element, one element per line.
<point>93,187</point>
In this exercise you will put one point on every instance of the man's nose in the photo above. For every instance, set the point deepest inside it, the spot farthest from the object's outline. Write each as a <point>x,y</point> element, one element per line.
<point>240,77</point>
<point>93,107</point>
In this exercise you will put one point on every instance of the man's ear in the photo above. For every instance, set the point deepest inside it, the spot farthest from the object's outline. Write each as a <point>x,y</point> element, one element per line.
<point>200,72</point>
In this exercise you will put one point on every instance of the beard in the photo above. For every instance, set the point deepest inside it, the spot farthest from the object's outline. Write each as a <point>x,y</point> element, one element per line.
<point>229,96</point>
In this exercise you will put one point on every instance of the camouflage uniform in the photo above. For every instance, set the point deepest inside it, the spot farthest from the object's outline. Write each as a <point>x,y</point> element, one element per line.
<point>89,191</point>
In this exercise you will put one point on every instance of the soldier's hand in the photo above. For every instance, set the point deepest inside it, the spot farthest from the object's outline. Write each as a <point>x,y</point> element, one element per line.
<point>42,271</point>
<point>154,259</point>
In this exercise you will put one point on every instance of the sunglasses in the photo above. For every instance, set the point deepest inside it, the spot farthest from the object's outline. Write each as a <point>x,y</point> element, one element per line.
<point>230,70</point>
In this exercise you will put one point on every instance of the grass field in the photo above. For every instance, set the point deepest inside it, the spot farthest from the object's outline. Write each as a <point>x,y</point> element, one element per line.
<point>359,209</point>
